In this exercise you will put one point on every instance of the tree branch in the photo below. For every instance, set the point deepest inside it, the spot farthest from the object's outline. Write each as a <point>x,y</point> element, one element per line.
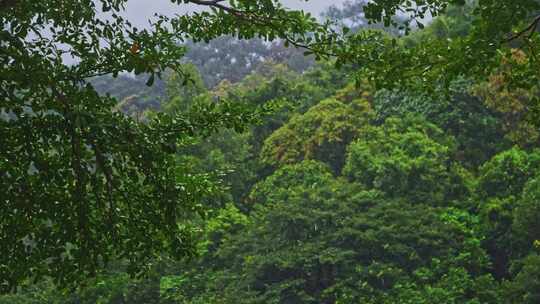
<point>216,4</point>
<point>530,28</point>
<point>261,20</point>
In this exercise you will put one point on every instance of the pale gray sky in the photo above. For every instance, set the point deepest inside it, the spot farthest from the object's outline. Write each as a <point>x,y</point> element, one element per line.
<point>139,11</point>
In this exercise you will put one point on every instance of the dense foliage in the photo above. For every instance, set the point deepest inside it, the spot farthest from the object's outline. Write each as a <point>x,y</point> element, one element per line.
<point>410,174</point>
<point>81,183</point>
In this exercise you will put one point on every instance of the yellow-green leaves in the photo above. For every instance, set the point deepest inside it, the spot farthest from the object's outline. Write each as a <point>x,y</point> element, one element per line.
<point>322,133</point>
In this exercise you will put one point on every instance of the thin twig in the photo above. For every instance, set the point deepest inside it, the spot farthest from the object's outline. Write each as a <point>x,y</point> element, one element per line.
<point>531,27</point>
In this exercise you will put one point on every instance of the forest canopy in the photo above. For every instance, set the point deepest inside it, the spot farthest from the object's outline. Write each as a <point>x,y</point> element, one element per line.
<point>400,167</point>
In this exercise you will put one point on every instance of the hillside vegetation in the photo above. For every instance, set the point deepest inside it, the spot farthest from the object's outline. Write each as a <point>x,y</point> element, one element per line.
<point>337,190</point>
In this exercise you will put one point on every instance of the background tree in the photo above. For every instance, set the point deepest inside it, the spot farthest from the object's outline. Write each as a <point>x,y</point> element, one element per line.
<point>313,238</point>
<point>407,158</point>
<point>473,125</point>
<point>322,133</point>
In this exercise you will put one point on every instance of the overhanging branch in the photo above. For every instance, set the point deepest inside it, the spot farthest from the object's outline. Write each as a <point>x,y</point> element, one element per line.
<point>259,20</point>
<point>529,29</point>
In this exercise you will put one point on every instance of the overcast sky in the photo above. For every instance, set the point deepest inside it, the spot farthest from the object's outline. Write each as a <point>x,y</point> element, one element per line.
<point>139,11</point>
